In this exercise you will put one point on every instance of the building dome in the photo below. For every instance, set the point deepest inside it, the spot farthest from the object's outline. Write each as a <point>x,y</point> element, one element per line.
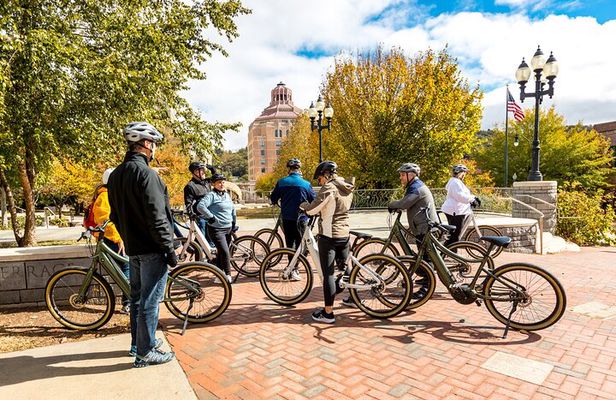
<point>281,95</point>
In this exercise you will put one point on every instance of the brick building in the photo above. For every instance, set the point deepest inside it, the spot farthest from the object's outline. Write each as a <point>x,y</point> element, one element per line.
<point>267,131</point>
<point>608,130</point>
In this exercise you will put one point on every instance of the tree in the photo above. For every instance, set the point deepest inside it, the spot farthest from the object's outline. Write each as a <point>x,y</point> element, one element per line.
<point>73,73</point>
<point>235,163</point>
<point>568,154</point>
<point>391,109</point>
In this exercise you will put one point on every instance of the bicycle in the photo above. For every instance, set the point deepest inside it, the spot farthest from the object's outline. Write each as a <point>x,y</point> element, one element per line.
<point>272,237</point>
<point>83,299</point>
<point>247,252</point>
<point>424,282</point>
<point>382,299</point>
<point>528,292</point>
<point>471,232</point>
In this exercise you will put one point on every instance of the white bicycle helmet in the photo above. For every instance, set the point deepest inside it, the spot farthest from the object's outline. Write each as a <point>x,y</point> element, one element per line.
<point>106,174</point>
<point>136,131</point>
<point>456,169</point>
<point>410,167</point>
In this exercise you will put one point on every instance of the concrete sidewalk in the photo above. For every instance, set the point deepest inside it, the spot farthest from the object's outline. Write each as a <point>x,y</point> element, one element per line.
<point>91,369</point>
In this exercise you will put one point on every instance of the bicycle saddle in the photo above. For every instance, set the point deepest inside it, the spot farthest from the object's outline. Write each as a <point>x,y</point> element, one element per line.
<point>361,235</point>
<point>502,241</point>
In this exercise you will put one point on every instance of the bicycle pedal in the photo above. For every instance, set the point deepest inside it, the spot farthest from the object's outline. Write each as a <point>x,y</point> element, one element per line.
<point>478,302</point>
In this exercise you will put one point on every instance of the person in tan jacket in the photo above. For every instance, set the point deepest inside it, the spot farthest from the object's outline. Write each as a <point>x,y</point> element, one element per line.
<point>332,204</point>
<point>102,210</point>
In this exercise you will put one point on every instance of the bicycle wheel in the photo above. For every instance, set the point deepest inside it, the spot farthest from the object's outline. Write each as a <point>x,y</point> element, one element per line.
<point>272,238</point>
<point>276,279</point>
<point>380,298</point>
<point>374,245</point>
<point>540,296</point>
<point>424,281</point>
<point>464,269</point>
<point>484,230</point>
<point>193,252</point>
<point>247,254</point>
<point>202,283</point>
<point>89,312</point>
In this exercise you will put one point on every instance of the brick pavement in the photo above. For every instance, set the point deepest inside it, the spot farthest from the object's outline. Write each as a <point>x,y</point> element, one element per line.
<point>259,350</point>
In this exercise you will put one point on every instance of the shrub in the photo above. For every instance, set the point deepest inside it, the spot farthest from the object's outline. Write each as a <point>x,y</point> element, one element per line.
<point>582,220</point>
<point>59,222</point>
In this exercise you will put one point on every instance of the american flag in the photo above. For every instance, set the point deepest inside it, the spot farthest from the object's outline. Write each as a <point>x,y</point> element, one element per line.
<point>518,113</point>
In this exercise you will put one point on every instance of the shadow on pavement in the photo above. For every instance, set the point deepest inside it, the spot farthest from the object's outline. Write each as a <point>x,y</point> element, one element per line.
<point>24,368</point>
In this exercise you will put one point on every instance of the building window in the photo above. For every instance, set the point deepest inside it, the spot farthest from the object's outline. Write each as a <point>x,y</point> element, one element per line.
<point>277,152</point>
<point>287,132</point>
<point>278,143</point>
<point>262,170</point>
<point>278,133</point>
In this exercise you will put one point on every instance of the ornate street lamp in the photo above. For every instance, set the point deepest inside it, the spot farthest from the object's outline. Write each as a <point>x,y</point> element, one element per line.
<point>316,114</point>
<point>546,70</point>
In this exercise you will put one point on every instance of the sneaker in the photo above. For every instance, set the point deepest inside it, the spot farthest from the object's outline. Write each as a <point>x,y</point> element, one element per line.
<point>229,278</point>
<point>347,301</point>
<point>154,357</point>
<point>125,309</point>
<point>133,349</point>
<point>294,276</point>
<point>321,316</point>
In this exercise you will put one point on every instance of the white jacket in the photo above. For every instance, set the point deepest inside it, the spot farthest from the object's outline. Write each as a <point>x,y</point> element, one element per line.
<point>459,198</point>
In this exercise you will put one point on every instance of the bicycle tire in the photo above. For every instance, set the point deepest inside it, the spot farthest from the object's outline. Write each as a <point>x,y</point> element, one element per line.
<point>394,295</point>
<point>247,254</point>
<point>374,246</point>
<point>464,271</point>
<point>422,290</point>
<point>61,298</point>
<point>525,276</point>
<point>272,238</point>
<point>485,230</point>
<point>194,252</point>
<point>280,288</point>
<point>212,292</point>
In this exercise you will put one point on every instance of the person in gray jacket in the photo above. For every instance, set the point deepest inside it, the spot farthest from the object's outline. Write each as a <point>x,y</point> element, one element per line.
<point>417,196</point>
<point>218,210</point>
<point>332,204</point>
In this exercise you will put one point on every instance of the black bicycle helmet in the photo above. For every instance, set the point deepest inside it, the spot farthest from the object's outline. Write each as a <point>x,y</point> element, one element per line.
<point>218,177</point>
<point>195,165</point>
<point>294,163</point>
<point>410,167</point>
<point>136,131</point>
<point>456,169</point>
<point>325,167</point>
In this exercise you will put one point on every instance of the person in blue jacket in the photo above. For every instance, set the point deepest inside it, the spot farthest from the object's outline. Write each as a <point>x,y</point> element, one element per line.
<point>292,191</point>
<point>217,208</point>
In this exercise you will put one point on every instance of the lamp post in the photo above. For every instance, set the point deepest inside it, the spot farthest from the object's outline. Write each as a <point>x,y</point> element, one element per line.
<point>317,112</point>
<point>548,69</point>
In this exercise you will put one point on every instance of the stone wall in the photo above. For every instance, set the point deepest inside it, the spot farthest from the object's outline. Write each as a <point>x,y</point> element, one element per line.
<point>523,237</point>
<point>543,190</point>
<point>24,271</point>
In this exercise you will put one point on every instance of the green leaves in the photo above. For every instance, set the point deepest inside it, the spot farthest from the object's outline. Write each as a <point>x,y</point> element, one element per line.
<point>568,153</point>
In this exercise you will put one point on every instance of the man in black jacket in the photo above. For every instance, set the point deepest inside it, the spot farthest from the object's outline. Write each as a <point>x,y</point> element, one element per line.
<point>196,189</point>
<point>140,210</point>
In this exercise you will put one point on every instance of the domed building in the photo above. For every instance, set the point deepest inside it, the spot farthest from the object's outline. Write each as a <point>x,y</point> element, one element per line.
<point>267,131</point>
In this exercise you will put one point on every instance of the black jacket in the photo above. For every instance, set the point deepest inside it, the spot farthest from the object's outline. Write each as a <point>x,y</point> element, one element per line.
<point>140,207</point>
<point>195,190</point>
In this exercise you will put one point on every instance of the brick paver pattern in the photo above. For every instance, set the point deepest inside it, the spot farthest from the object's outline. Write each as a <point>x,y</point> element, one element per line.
<point>260,350</point>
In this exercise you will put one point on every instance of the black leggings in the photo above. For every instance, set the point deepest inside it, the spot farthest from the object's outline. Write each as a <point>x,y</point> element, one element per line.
<point>332,252</point>
<point>221,238</point>
<point>292,235</point>
<point>458,222</point>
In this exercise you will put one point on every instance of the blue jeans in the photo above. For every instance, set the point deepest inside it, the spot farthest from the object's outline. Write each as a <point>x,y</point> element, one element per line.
<point>124,267</point>
<point>202,224</point>
<point>148,275</point>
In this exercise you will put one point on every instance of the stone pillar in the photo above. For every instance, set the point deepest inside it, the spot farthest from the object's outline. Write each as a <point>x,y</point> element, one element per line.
<point>542,190</point>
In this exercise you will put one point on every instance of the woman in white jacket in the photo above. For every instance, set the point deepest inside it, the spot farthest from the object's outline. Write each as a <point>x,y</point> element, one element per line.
<point>457,206</point>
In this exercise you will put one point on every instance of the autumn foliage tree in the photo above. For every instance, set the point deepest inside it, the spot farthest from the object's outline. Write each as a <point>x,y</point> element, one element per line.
<point>568,154</point>
<point>73,73</point>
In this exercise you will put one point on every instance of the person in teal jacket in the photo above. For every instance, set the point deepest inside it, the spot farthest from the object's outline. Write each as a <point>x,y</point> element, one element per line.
<point>218,210</point>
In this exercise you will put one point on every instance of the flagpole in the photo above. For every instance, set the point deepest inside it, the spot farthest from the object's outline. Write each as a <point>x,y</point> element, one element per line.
<point>507,136</point>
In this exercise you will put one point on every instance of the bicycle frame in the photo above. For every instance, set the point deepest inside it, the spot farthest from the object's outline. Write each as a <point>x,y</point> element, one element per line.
<point>309,242</point>
<point>195,234</point>
<point>467,224</point>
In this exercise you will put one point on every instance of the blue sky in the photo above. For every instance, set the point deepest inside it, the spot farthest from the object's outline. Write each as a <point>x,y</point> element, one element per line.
<point>297,41</point>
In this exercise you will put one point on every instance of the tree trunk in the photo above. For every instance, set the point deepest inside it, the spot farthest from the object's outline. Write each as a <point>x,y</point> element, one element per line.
<point>26,184</point>
<point>11,205</point>
<point>4,215</point>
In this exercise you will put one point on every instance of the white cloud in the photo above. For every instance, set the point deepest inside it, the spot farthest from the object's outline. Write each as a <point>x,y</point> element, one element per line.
<point>489,48</point>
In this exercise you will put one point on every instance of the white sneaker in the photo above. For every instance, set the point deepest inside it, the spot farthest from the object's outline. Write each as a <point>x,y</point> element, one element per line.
<point>294,276</point>
<point>229,278</point>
